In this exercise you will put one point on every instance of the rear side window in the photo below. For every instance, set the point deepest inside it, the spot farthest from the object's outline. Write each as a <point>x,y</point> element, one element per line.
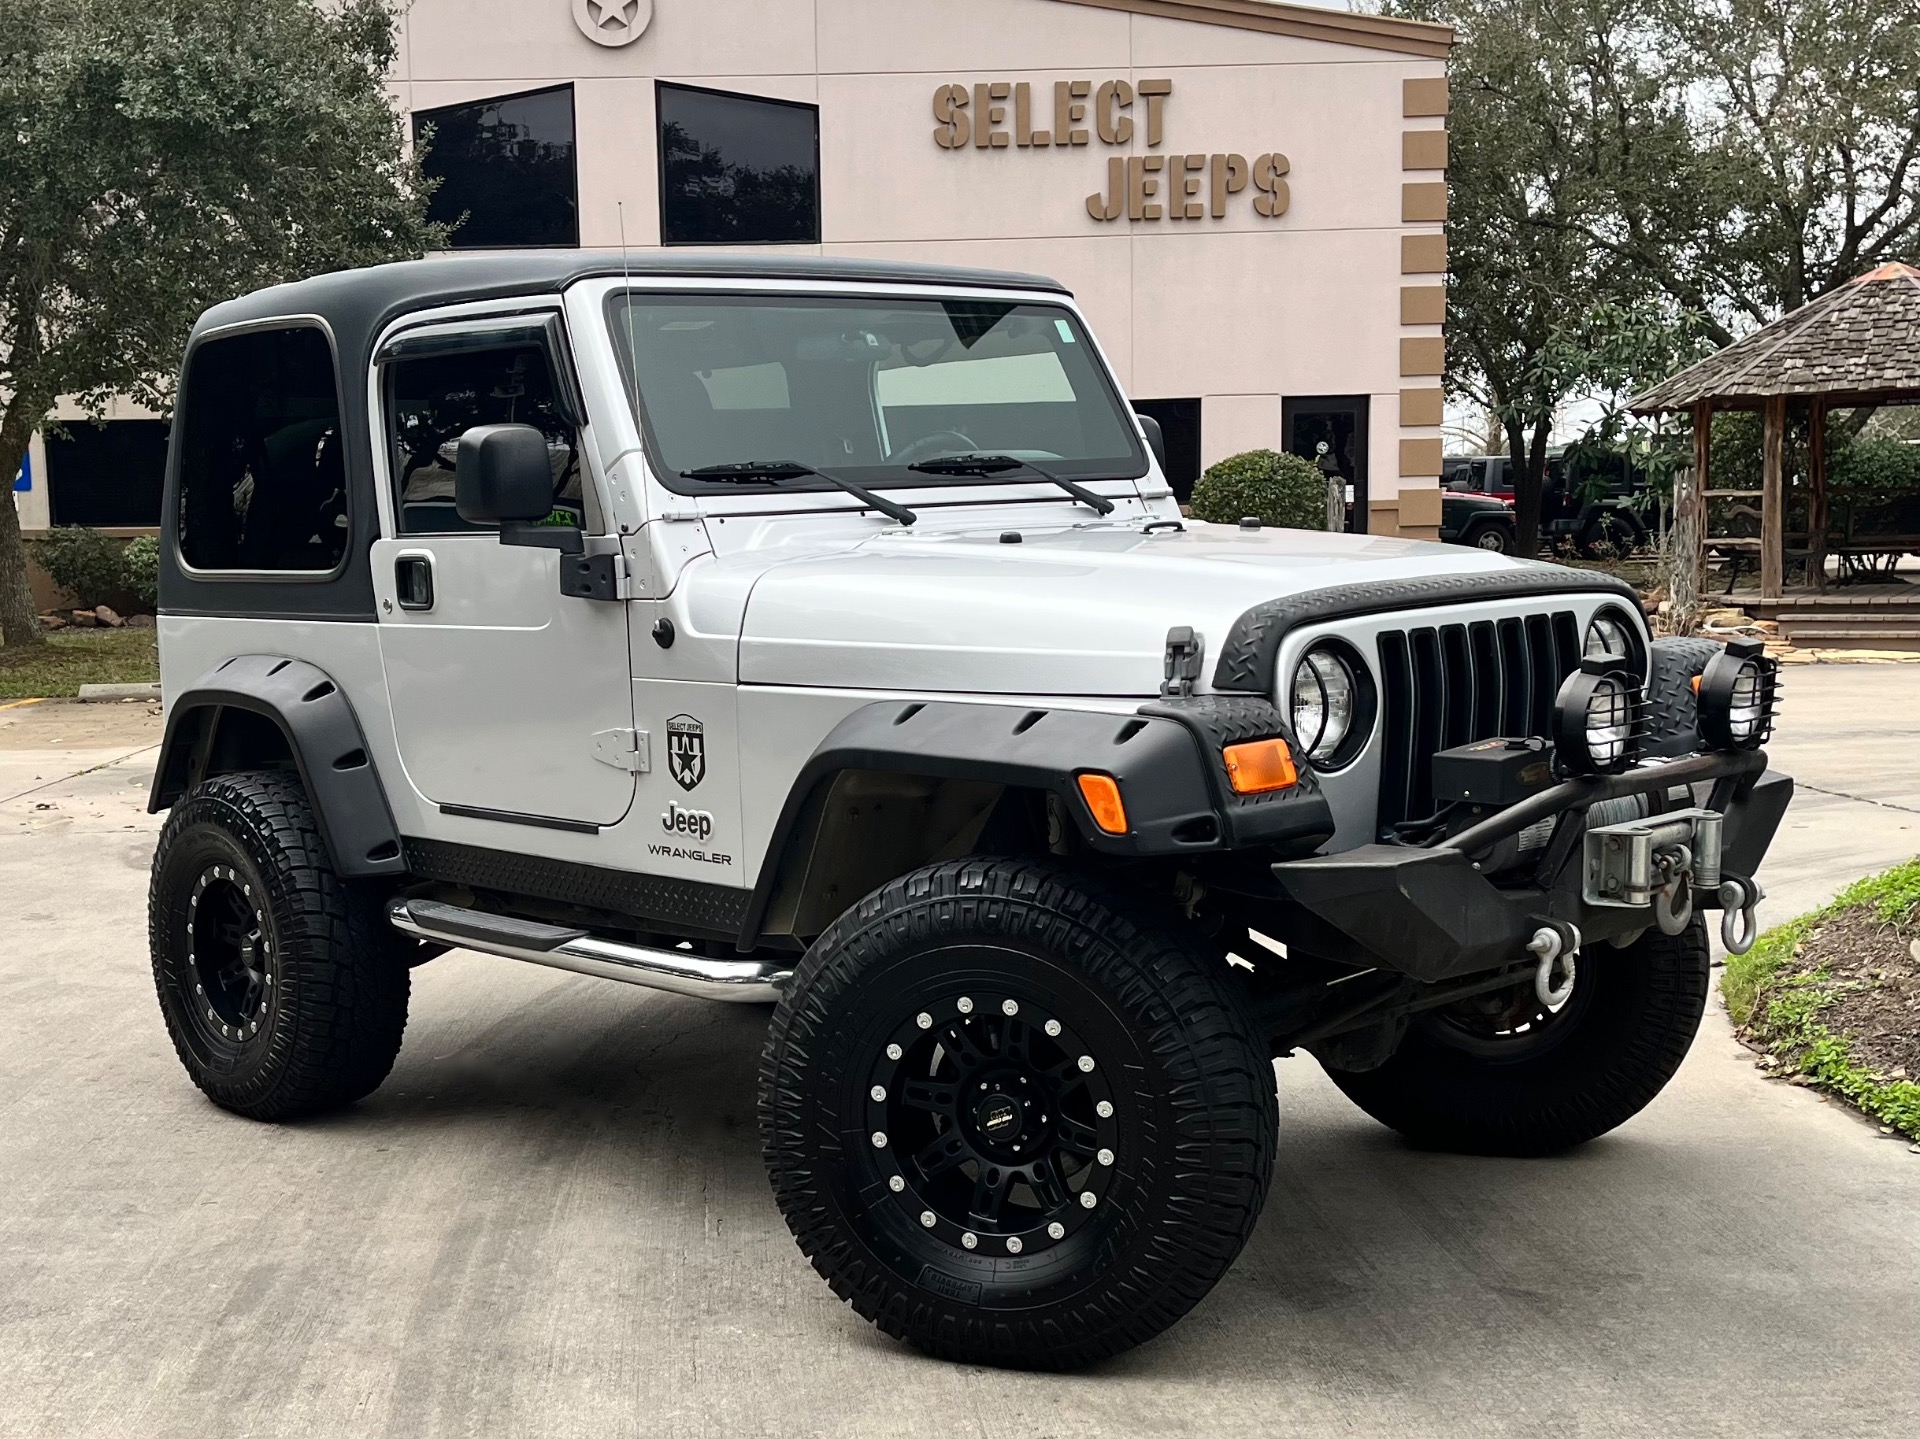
<point>262,471</point>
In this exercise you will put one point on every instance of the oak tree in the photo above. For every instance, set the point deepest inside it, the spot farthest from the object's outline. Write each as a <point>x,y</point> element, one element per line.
<point>161,156</point>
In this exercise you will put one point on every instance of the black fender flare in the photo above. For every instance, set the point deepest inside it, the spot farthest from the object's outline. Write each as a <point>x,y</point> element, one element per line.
<point>321,731</point>
<point>1165,757</point>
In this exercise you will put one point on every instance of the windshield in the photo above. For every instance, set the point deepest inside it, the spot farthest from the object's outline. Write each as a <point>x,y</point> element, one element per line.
<point>866,388</point>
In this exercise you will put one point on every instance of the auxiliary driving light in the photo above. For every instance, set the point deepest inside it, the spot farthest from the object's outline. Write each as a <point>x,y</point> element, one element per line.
<point>1737,693</point>
<point>1597,718</point>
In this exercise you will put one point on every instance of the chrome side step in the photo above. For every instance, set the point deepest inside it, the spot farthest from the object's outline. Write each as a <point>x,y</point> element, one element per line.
<point>678,971</point>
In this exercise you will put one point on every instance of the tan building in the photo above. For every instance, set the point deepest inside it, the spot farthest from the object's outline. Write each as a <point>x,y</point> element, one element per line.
<point>1247,197</point>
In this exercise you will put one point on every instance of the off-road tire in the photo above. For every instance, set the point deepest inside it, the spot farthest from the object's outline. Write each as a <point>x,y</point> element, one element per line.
<point>1192,1112</point>
<point>1633,1027</point>
<point>1610,528</point>
<point>313,1015</point>
<point>1477,535</point>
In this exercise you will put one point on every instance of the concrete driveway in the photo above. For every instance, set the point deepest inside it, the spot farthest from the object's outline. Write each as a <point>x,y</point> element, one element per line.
<point>552,1220</point>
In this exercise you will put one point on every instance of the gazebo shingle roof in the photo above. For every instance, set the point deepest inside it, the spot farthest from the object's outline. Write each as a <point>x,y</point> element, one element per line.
<point>1860,339</point>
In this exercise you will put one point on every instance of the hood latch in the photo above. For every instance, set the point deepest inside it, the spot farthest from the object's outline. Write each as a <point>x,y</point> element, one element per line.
<point>1186,649</point>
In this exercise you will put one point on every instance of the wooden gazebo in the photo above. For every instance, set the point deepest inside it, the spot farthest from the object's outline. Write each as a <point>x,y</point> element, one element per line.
<point>1858,344</point>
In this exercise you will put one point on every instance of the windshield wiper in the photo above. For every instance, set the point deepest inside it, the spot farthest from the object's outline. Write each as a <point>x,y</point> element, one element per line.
<point>998,464</point>
<point>794,470</point>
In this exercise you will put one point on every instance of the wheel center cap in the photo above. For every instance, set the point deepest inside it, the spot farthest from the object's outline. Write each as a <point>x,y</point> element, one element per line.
<point>998,1117</point>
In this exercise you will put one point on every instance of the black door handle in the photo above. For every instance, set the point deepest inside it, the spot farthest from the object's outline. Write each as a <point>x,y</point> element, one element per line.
<point>413,582</point>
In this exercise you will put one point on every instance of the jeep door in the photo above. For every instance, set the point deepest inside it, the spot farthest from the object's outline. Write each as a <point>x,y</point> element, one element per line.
<point>499,683</point>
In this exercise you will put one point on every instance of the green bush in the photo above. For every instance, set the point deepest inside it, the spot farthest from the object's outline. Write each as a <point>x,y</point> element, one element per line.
<point>1876,467</point>
<point>1280,489</point>
<point>141,562</point>
<point>88,565</point>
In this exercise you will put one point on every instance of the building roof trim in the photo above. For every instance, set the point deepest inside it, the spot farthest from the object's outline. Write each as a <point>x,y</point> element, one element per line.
<point>1336,27</point>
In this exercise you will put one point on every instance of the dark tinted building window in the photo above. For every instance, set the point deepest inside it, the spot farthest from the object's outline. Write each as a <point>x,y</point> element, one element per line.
<point>436,399</point>
<point>107,474</point>
<point>1180,428</point>
<point>737,169</point>
<point>262,477</point>
<point>507,166</point>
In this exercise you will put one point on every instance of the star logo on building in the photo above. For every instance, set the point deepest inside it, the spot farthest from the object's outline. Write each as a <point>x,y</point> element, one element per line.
<point>612,22</point>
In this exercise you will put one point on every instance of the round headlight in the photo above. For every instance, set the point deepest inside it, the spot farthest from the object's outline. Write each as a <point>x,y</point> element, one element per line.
<point>1608,638</point>
<point>1595,719</point>
<point>1324,692</point>
<point>1738,688</point>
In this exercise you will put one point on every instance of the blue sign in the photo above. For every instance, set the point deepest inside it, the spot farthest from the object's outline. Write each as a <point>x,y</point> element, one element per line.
<point>24,480</point>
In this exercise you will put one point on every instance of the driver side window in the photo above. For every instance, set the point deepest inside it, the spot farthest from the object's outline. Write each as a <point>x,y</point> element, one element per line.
<point>433,399</point>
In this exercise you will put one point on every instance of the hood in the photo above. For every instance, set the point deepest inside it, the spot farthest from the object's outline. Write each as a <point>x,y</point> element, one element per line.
<point>1081,610</point>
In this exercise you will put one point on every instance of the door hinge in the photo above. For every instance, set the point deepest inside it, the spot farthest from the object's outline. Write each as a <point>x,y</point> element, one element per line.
<point>625,749</point>
<point>594,577</point>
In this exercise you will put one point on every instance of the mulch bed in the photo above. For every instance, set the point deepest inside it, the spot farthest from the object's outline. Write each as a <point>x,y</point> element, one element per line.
<point>1872,987</point>
<point>1832,1000</point>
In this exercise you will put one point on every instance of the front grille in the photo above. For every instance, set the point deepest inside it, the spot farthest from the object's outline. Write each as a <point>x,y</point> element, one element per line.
<point>1447,685</point>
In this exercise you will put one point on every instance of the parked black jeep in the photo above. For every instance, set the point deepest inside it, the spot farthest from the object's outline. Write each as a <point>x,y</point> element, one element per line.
<point>1598,512</point>
<point>1477,520</point>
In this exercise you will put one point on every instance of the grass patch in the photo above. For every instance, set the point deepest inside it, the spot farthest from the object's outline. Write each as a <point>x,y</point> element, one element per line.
<point>71,658</point>
<point>1799,993</point>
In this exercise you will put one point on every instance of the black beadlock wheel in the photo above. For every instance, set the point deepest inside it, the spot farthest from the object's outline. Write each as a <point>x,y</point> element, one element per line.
<point>1013,1119</point>
<point>283,987</point>
<point>1506,1074</point>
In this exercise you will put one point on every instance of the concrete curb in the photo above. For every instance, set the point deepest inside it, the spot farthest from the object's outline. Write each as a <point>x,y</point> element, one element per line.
<point>101,693</point>
<point>1845,657</point>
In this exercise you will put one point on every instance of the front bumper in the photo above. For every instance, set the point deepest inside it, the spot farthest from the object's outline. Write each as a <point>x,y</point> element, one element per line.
<point>1430,912</point>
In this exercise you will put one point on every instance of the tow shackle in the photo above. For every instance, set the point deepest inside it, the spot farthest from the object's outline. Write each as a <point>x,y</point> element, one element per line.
<point>1556,943</point>
<point>1739,926</point>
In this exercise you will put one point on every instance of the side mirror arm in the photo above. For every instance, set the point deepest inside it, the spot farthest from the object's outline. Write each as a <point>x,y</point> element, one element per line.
<point>533,535</point>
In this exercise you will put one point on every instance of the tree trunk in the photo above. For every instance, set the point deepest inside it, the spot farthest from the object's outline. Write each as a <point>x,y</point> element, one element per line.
<point>1686,562</point>
<point>1527,456</point>
<point>1526,493</point>
<point>19,625</point>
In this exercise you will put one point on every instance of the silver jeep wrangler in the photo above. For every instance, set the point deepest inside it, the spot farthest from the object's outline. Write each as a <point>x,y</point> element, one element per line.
<point>825,634</point>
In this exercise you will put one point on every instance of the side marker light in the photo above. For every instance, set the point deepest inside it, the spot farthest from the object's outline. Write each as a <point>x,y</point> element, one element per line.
<point>1102,794</point>
<point>1259,766</point>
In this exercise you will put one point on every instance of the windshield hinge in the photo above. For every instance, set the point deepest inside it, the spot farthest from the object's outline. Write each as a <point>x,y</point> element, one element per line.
<point>624,749</point>
<point>1186,648</point>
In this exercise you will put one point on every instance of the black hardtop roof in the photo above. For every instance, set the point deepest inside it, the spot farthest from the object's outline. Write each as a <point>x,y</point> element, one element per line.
<point>356,303</point>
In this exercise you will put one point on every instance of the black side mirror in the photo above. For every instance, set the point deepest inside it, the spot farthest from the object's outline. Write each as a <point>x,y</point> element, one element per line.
<point>1156,440</point>
<point>501,476</point>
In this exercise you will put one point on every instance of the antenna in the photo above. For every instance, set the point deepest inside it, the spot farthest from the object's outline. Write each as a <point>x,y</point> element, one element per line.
<point>633,345</point>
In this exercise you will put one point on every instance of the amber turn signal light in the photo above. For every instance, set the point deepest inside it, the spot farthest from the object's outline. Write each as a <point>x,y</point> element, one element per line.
<point>1102,794</point>
<point>1259,766</point>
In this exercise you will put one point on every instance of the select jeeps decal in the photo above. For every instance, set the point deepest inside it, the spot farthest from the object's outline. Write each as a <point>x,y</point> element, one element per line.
<point>695,824</point>
<point>686,750</point>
